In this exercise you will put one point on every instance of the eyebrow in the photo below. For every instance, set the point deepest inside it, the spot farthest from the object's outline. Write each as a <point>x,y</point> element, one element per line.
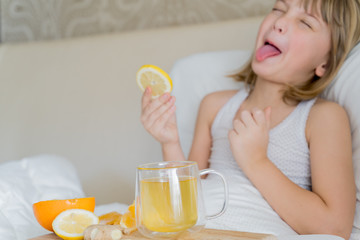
<point>307,13</point>
<point>312,16</point>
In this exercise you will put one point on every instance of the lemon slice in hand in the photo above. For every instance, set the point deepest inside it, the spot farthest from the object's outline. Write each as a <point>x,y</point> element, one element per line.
<point>153,76</point>
<point>71,224</point>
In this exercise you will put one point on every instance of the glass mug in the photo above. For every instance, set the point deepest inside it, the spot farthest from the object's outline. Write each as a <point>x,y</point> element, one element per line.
<point>169,200</point>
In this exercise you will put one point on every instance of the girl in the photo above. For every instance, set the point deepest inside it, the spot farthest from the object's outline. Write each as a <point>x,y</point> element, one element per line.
<point>276,138</point>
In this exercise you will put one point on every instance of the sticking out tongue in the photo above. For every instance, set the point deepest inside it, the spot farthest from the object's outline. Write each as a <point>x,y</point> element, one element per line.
<point>266,51</point>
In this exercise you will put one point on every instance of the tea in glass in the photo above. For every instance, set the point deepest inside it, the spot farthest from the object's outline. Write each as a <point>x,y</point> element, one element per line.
<point>169,200</point>
<point>167,210</point>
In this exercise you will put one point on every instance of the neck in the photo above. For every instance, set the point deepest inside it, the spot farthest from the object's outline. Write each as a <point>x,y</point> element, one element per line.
<point>267,93</point>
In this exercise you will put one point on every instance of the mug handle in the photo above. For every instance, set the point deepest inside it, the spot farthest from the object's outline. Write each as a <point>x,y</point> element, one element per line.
<point>226,192</point>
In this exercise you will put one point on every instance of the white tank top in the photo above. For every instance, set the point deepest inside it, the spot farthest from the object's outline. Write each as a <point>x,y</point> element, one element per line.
<point>287,149</point>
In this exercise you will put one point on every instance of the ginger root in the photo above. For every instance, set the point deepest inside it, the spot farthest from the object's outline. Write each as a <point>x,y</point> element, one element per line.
<point>103,232</point>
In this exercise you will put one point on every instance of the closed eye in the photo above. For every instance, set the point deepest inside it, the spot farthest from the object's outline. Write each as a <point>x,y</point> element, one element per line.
<point>277,10</point>
<point>306,24</point>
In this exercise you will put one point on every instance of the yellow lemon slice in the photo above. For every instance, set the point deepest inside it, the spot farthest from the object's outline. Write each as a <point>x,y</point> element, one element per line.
<point>71,224</point>
<point>153,76</point>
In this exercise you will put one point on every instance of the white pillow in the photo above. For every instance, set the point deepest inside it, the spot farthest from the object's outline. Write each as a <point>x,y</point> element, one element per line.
<point>194,77</point>
<point>197,75</point>
<point>30,180</point>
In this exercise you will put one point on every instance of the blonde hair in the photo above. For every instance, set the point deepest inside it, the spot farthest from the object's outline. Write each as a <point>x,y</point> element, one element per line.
<point>343,19</point>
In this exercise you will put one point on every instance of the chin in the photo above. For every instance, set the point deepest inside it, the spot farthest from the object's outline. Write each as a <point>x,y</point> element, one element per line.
<point>261,69</point>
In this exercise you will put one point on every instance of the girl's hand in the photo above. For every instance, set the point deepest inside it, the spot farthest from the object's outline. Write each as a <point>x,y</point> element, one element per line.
<point>158,117</point>
<point>250,137</point>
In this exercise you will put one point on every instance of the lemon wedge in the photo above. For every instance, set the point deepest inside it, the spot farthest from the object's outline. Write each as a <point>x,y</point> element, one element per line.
<point>71,224</point>
<point>153,76</point>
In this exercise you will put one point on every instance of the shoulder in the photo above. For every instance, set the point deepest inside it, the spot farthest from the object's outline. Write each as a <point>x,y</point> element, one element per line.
<point>211,103</point>
<point>325,115</point>
<point>218,98</point>
<point>323,110</point>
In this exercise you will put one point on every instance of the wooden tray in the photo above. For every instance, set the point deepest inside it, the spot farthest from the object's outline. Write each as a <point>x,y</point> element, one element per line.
<point>208,234</point>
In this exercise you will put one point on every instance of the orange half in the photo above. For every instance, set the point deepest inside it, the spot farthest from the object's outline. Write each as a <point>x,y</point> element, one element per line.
<point>46,211</point>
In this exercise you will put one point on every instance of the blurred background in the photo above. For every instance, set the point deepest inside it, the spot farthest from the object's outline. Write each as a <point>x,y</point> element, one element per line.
<point>34,20</point>
<point>67,76</point>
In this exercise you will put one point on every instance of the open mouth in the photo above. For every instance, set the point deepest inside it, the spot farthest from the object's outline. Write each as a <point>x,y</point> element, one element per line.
<point>266,51</point>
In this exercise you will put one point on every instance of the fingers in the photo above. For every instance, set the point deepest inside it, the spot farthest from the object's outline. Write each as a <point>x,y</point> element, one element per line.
<point>232,134</point>
<point>250,119</point>
<point>146,98</point>
<point>247,118</point>
<point>262,117</point>
<point>238,125</point>
<point>243,122</point>
<point>157,110</point>
<point>268,117</point>
<point>255,117</point>
<point>258,116</point>
<point>160,122</point>
<point>149,105</point>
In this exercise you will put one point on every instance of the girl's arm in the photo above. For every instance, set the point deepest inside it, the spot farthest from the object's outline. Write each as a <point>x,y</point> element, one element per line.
<point>202,141</point>
<point>329,208</point>
<point>158,118</point>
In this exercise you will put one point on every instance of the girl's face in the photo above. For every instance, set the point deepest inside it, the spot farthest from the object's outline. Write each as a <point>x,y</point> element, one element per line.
<point>292,44</point>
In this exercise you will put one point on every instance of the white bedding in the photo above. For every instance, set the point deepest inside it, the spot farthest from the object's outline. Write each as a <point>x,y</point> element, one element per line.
<point>47,177</point>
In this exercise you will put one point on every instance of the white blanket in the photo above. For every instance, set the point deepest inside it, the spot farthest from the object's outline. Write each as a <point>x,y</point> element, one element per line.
<point>30,180</point>
<point>34,179</point>
<point>45,177</point>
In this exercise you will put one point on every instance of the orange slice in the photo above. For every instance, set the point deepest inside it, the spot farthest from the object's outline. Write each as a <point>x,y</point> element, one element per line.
<point>128,219</point>
<point>111,218</point>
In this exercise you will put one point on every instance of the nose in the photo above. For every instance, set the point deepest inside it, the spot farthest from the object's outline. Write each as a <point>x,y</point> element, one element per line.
<point>280,25</point>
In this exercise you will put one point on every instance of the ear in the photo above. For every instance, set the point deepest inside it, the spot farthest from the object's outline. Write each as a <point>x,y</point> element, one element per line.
<point>320,70</point>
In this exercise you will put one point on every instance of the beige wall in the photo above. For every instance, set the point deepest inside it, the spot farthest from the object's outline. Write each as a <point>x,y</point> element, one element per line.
<point>29,20</point>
